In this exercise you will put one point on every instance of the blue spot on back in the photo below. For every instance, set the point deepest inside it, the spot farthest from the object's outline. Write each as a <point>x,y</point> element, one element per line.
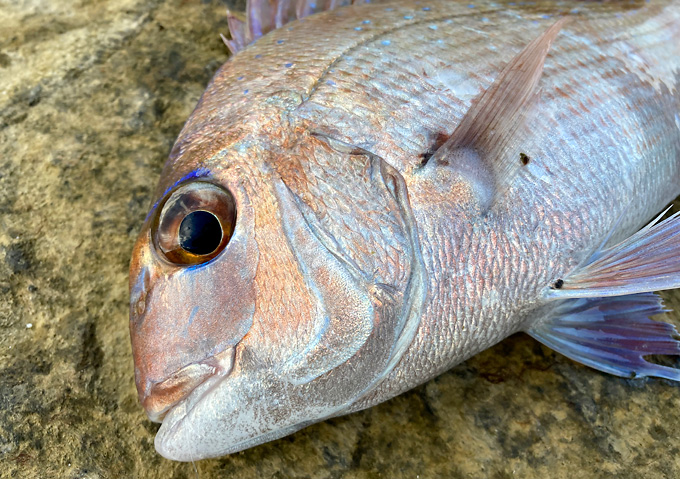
<point>386,42</point>
<point>426,9</point>
<point>330,82</point>
<point>408,17</point>
<point>288,65</point>
<point>366,22</point>
<point>279,42</point>
<point>358,29</point>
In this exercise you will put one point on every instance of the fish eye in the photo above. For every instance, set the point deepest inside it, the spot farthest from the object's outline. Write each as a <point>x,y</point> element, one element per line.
<point>195,223</point>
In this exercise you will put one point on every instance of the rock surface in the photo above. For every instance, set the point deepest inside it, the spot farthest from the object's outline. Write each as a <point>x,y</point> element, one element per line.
<point>92,96</point>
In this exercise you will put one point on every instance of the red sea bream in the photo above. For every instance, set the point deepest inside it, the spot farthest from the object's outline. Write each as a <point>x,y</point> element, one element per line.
<point>367,196</point>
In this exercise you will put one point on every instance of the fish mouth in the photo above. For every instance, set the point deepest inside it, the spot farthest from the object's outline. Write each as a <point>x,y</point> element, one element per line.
<point>187,384</point>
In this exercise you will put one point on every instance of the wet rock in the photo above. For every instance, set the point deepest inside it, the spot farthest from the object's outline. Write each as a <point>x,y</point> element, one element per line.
<point>92,96</point>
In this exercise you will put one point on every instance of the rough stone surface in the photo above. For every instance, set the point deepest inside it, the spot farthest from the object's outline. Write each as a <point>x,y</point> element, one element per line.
<point>92,95</point>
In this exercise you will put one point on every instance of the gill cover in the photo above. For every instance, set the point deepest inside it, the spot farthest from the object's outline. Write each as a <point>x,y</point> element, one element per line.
<point>353,233</point>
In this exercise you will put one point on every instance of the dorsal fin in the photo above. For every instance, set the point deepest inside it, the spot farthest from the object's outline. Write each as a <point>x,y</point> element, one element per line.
<point>263,16</point>
<point>486,131</point>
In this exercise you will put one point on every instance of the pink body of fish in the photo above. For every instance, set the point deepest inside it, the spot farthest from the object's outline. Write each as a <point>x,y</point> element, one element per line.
<point>368,196</point>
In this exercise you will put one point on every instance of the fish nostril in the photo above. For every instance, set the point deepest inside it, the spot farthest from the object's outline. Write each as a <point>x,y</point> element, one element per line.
<point>140,305</point>
<point>138,296</point>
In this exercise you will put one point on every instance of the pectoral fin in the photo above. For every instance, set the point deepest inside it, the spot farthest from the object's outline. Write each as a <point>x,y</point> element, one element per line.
<point>480,148</point>
<point>612,334</point>
<point>646,261</point>
<point>602,317</point>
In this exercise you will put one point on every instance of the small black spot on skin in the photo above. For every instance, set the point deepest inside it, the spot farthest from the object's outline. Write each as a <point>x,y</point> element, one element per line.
<point>425,157</point>
<point>438,141</point>
<point>524,159</point>
<point>558,284</point>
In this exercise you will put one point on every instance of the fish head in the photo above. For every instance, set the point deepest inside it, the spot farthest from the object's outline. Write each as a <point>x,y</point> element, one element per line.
<point>268,290</point>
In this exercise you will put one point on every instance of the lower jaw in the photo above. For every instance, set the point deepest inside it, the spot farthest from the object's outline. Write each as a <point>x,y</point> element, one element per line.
<point>176,417</point>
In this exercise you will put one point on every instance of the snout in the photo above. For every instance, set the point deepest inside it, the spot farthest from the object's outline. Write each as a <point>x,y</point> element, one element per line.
<point>185,322</point>
<point>158,397</point>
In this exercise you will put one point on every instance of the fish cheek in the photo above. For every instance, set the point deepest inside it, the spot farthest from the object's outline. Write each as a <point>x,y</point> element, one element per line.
<point>343,311</point>
<point>358,321</point>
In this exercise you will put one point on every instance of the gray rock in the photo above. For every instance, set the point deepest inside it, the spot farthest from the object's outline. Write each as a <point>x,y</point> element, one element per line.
<point>92,96</point>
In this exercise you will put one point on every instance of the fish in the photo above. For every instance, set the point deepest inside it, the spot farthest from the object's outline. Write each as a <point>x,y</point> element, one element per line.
<point>368,195</point>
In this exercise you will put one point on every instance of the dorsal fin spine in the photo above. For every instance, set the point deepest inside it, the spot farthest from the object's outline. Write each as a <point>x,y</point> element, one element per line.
<point>263,16</point>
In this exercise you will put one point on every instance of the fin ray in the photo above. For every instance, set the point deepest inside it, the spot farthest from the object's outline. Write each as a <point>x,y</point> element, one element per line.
<point>237,29</point>
<point>501,105</point>
<point>489,128</point>
<point>612,334</point>
<point>646,261</point>
<point>263,16</point>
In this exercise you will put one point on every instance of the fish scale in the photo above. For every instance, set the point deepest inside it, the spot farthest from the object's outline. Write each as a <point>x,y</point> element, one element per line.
<point>578,73</point>
<point>388,246</point>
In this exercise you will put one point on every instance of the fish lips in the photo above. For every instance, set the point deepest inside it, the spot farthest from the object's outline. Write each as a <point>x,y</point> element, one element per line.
<point>158,398</point>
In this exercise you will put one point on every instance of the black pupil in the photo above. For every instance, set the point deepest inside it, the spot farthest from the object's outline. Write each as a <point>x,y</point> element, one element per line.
<point>200,233</point>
